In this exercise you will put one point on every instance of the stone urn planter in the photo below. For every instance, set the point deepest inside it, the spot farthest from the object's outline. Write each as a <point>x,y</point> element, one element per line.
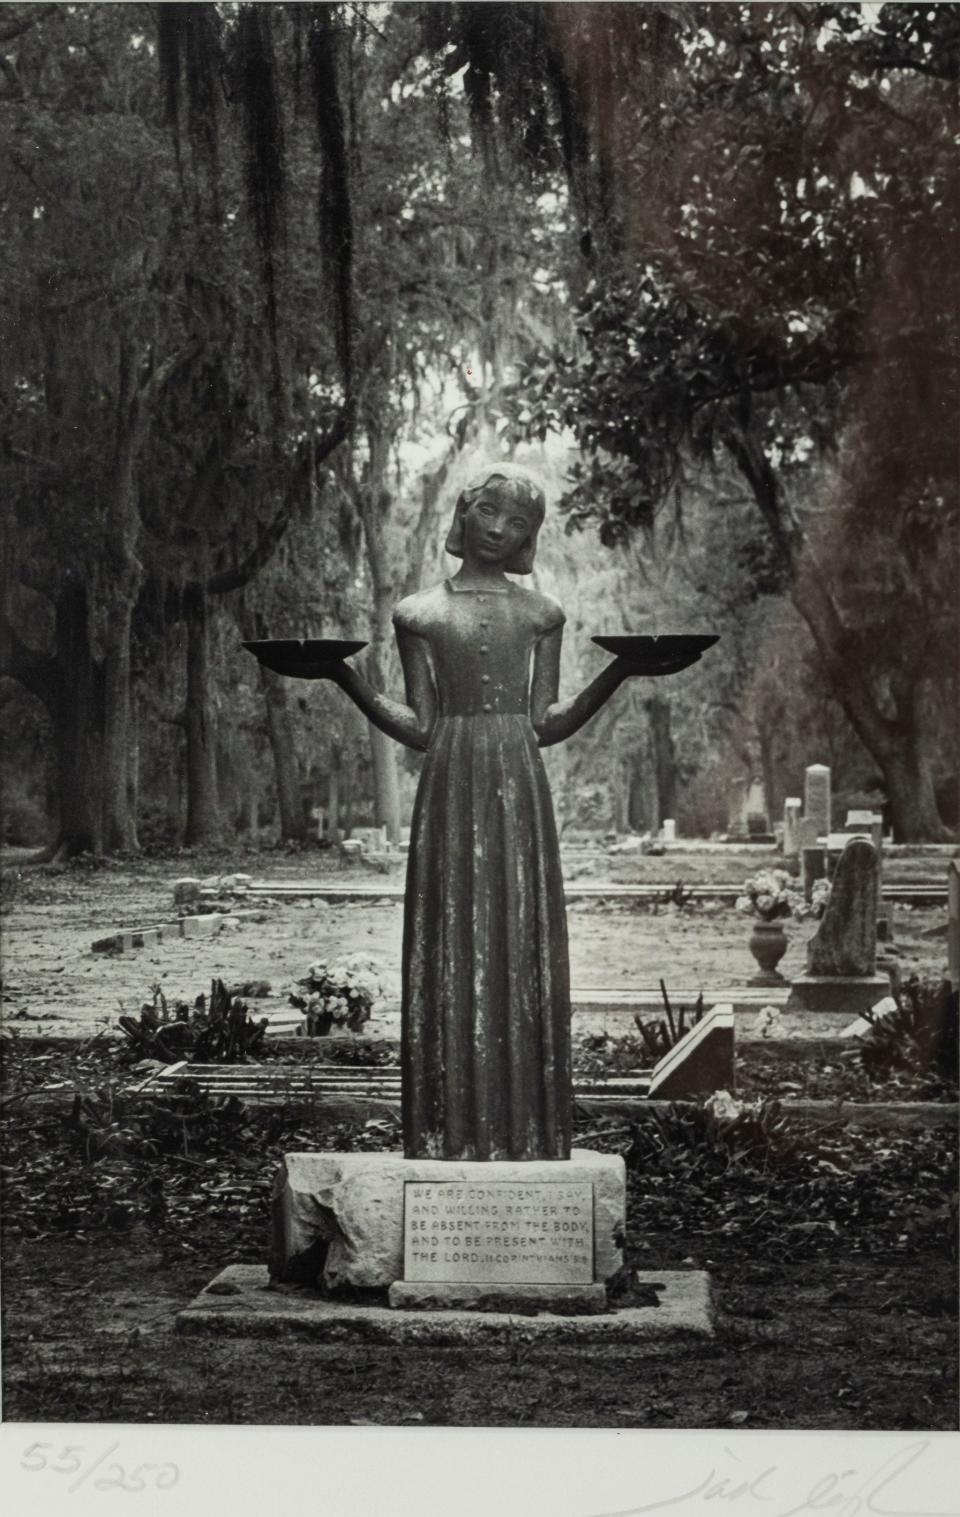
<point>768,944</point>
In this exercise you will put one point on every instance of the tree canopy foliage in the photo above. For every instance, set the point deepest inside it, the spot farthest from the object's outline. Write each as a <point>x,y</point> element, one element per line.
<point>275,271</point>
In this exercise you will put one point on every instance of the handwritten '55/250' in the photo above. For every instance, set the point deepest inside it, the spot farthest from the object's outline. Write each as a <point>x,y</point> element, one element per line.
<point>73,1459</point>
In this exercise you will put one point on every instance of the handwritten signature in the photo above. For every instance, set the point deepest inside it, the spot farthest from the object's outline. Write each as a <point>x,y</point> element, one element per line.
<point>842,1492</point>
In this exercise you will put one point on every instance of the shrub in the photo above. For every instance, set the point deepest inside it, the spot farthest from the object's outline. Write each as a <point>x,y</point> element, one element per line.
<point>919,1039</point>
<point>717,1135</point>
<point>221,1033</point>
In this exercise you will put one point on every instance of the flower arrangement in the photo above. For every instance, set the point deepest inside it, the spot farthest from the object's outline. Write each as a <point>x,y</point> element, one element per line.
<point>817,904</point>
<point>339,994</point>
<point>769,894</point>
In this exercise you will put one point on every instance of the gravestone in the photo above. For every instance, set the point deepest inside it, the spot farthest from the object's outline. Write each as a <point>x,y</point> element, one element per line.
<point>792,808</point>
<point>371,839</point>
<point>669,830</point>
<point>758,825</point>
<point>700,1062</point>
<point>808,833</point>
<point>862,822</point>
<point>841,956</point>
<point>816,797</point>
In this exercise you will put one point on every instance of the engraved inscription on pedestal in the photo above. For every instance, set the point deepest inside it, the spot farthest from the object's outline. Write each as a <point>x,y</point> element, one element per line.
<point>499,1232</point>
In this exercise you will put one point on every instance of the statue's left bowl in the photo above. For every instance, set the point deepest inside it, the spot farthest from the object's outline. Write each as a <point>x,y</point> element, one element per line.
<point>298,657</point>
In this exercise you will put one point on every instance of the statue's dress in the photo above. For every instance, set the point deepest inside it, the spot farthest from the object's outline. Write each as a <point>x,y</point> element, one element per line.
<point>486,992</point>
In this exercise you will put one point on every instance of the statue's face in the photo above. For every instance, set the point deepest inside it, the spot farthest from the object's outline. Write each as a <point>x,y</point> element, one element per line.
<point>495,527</point>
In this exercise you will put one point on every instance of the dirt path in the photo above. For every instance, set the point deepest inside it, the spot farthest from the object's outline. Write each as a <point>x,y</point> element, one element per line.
<point>54,982</point>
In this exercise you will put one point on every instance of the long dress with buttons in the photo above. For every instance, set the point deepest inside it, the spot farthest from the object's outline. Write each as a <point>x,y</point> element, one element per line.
<point>486,989</point>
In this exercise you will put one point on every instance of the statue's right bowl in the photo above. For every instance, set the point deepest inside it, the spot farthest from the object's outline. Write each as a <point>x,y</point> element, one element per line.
<point>676,650</point>
<point>296,657</point>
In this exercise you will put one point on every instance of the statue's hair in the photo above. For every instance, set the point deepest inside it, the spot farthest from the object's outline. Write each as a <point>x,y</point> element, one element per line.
<point>520,487</point>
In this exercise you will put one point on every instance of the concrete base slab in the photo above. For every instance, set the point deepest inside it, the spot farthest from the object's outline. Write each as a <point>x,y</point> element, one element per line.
<point>852,994</point>
<point>566,1300</point>
<point>242,1302</point>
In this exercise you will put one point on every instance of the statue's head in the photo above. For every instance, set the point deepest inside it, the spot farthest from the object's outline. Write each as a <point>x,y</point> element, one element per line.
<point>521,490</point>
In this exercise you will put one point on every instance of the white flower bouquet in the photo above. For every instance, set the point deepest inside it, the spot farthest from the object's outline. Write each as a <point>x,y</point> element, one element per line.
<point>769,894</point>
<point>340,993</point>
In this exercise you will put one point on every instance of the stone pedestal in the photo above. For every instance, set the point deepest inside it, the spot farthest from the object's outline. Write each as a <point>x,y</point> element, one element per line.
<point>851,994</point>
<point>566,1300</point>
<point>368,1221</point>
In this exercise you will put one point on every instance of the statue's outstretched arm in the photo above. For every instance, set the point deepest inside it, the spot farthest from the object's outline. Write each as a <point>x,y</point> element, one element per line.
<point>555,720</point>
<point>409,723</point>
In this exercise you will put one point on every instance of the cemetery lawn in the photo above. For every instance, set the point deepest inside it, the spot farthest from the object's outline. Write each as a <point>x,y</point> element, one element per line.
<point>832,1252</point>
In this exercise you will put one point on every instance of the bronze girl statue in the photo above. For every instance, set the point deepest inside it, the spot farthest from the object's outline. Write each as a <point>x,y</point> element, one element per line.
<point>486,986</point>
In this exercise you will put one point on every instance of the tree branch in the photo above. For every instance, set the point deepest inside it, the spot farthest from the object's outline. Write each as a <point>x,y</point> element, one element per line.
<point>234,578</point>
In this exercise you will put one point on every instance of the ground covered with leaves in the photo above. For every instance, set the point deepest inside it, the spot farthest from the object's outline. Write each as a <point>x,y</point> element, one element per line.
<point>831,1251</point>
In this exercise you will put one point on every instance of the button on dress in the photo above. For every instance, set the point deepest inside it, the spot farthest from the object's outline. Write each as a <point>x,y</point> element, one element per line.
<point>486,989</point>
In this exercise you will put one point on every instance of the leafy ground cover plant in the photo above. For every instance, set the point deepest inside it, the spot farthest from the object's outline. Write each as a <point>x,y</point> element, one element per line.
<point>919,1040</point>
<point>220,1031</point>
<point>603,1053</point>
<point>661,1036</point>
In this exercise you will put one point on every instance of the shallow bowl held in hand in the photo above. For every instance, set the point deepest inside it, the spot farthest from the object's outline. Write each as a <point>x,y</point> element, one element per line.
<point>673,651</point>
<point>300,656</point>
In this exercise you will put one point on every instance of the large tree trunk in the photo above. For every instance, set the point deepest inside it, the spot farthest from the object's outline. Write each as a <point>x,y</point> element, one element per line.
<point>383,752</point>
<point>896,744</point>
<point>374,504</point>
<point>664,755</point>
<point>333,833</point>
<point>119,820</point>
<point>78,723</point>
<point>203,809</point>
<point>293,824</point>
<point>914,815</point>
<point>768,771</point>
<point>133,761</point>
<point>620,791</point>
<point>640,811</point>
<point>122,573</point>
